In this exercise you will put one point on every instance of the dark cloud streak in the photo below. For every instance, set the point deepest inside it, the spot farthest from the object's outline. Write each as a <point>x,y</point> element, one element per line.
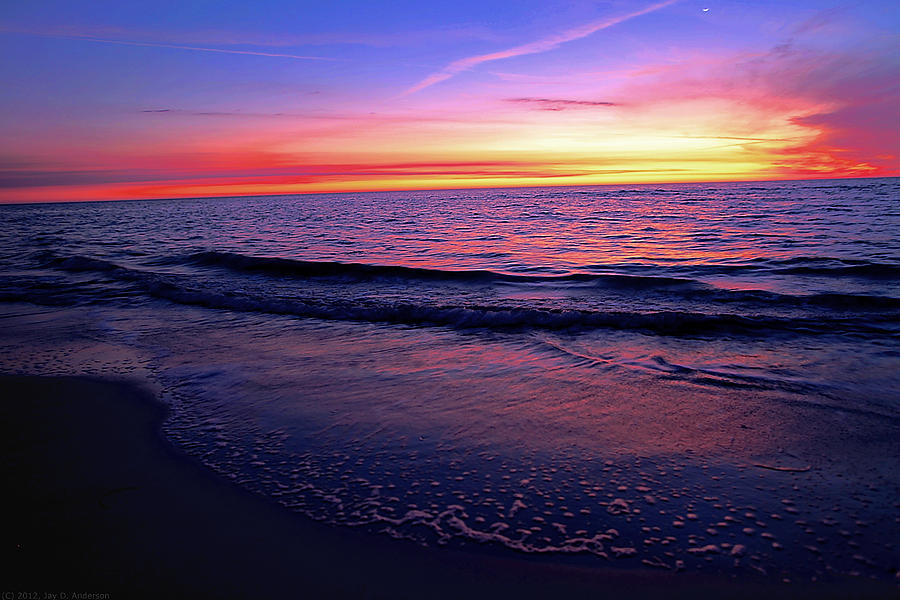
<point>557,104</point>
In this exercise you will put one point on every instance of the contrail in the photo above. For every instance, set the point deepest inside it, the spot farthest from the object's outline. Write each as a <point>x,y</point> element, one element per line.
<point>464,64</point>
<point>178,47</point>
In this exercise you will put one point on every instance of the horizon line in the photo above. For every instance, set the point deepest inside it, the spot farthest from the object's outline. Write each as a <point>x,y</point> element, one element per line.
<point>440,189</point>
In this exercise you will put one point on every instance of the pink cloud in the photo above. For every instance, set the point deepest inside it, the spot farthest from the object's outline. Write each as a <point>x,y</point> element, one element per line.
<point>847,105</point>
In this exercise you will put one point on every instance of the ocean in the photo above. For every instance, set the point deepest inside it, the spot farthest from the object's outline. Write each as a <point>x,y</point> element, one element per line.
<point>681,376</point>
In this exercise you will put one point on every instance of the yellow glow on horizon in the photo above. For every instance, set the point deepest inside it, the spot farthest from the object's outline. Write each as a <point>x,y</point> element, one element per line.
<point>694,140</point>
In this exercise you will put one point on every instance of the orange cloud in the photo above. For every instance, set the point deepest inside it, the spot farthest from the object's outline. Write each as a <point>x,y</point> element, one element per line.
<point>784,113</point>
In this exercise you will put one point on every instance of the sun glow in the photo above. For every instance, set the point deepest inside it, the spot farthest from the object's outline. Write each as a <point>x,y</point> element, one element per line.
<point>563,110</point>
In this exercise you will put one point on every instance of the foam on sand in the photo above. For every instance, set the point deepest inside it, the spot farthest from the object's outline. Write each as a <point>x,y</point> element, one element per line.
<point>102,502</point>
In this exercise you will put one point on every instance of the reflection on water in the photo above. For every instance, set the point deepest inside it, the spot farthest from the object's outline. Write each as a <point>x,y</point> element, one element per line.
<point>572,445</point>
<point>680,377</point>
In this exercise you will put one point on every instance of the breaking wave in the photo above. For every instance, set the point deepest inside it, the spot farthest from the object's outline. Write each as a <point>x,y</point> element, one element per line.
<point>191,291</point>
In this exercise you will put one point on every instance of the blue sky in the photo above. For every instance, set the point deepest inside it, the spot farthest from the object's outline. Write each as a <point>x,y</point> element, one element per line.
<point>138,87</point>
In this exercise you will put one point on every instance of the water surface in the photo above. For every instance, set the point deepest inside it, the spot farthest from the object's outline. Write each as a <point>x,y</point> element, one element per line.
<point>678,376</point>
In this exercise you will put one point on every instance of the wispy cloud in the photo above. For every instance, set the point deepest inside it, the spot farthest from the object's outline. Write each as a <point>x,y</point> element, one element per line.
<point>556,104</point>
<point>385,39</point>
<point>355,121</point>
<point>202,49</point>
<point>542,45</point>
<point>98,40</point>
<point>222,113</point>
<point>294,173</point>
<point>206,38</point>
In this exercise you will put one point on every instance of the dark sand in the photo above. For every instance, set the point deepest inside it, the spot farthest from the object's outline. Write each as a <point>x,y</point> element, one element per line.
<point>99,502</point>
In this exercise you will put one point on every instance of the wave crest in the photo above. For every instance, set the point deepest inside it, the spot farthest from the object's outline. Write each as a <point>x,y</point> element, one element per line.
<point>184,290</point>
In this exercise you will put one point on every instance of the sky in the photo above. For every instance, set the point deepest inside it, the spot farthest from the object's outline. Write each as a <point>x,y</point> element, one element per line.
<point>117,100</point>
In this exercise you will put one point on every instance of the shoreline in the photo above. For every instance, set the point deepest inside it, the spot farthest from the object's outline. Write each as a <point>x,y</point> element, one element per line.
<point>104,504</point>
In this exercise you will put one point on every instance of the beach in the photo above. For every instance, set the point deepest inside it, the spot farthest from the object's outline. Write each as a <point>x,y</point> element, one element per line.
<point>101,503</point>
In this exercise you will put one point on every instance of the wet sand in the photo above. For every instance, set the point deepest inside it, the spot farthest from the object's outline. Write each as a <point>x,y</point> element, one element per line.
<point>101,503</point>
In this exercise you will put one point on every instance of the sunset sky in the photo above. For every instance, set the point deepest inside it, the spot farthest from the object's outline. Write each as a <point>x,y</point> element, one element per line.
<point>112,99</point>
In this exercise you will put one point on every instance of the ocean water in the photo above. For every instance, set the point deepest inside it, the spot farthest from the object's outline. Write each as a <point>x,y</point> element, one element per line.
<point>687,377</point>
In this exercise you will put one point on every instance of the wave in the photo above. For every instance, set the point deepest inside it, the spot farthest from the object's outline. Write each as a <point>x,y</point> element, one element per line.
<point>182,290</point>
<point>368,272</point>
<point>84,264</point>
<point>729,378</point>
<point>832,300</point>
<point>691,288</point>
<point>359,272</point>
<point>868,271</point>
<point>516,318</point>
